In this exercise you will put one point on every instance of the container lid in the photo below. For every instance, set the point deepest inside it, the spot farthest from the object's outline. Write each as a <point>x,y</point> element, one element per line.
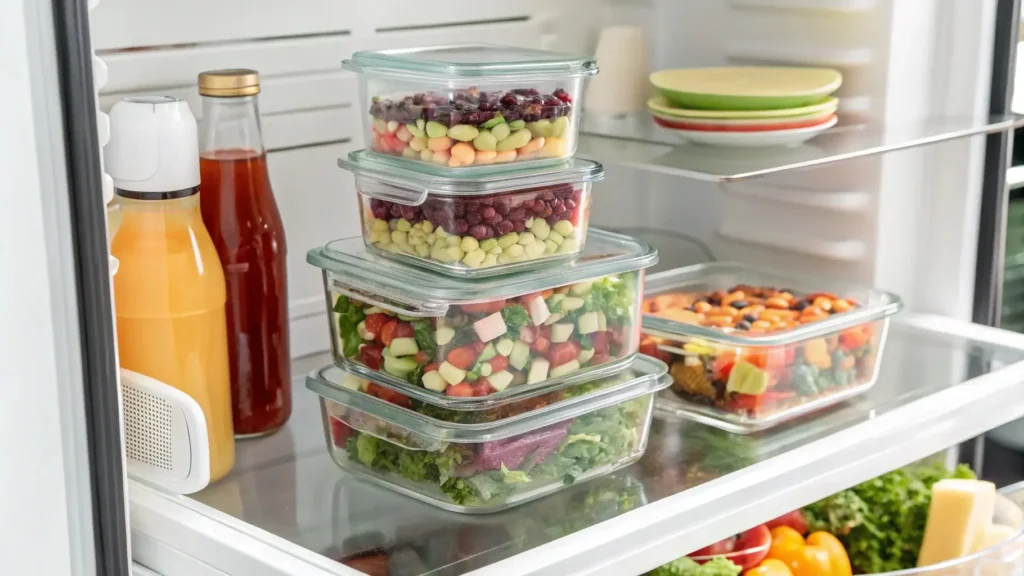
<point>229,83</point>
<point>153,148</point>
<point>470,61</point>
<point>411,187</point>
<point>420,293</point>
<point>646,376</point>
<point>873,304</point>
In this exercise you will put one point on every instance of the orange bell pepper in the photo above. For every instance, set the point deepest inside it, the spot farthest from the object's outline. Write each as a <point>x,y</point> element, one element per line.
<point>820,555</point>
<point>770,567</point>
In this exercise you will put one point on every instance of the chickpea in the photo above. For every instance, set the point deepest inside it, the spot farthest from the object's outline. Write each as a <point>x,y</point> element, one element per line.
<point>823,303</point>
<point>776,302</point>
<point>841,306</point>
<point>702,307</point>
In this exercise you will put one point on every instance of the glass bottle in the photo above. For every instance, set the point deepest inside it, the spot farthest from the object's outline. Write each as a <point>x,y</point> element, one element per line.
<point>169,291</point>
<point>239,210</point>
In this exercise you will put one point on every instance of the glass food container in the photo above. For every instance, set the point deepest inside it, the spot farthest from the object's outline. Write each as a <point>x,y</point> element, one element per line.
<point>750,349</point>
<point>474,225</point>
<point>420,330</point>
<point>496,461</point>
<point>471,107</point>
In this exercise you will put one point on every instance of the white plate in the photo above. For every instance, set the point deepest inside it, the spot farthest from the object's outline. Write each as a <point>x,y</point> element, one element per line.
<point>753,139</point>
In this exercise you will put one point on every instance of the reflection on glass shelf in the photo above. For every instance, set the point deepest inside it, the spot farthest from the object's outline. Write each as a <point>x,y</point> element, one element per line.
<point>634,140</point>
<point>287,485</point>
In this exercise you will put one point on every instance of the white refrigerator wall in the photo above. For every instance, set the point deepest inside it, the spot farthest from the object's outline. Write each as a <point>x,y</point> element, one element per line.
<point>906,222</point>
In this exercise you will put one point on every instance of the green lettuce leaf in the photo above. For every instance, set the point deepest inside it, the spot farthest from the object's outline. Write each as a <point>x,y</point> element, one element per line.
<point>515,317</point>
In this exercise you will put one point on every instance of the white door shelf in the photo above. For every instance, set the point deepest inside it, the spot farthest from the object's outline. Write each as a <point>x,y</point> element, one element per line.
<point>636,141</point>
<point>286,509</point>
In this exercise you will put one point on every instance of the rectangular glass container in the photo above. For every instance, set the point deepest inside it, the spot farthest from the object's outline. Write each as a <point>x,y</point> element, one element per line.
<point>470,107</point>
<point>474,226</point>
<point>489,464</point>
<point>472,338</point>
<point>749,349</point>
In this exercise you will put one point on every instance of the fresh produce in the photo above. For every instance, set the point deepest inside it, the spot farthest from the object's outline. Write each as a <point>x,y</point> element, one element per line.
<point>794,520</point>
<point>881,522</point>
<point>472,127</point>
<point>686,566</point>
<point>487,473</point>
<point>770,567</point>
<point>757,381</point>
<point>802,557</point>
<point>746,550</point>
<point>483,348</point>
<point>502,228</point>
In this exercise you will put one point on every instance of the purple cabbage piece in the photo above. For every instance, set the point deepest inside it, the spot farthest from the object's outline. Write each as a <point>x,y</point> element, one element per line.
<point>513,452</point>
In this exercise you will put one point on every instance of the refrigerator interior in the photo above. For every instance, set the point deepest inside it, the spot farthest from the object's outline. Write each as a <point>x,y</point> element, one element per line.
<point>906,221</point>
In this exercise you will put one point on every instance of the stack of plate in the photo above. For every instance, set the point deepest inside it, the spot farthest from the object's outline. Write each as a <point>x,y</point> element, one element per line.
<point>752,106</point>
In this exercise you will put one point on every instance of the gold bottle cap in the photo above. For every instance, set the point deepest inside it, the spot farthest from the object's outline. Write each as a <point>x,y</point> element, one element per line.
<point>227,83</point>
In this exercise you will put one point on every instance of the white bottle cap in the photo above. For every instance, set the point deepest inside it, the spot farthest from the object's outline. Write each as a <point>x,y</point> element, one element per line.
<point>154,145</point>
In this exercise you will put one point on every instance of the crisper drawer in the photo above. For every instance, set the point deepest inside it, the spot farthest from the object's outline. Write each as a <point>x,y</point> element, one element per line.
<point>288,510</point>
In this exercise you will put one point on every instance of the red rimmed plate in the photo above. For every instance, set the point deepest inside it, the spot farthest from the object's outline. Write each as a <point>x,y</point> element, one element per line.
<point>770,125</point>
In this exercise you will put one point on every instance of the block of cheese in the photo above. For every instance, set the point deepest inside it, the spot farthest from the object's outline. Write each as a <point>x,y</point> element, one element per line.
<point>959,513</point>
<point>992,535</point>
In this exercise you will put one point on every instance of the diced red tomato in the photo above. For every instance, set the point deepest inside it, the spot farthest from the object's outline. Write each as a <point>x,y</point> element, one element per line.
<point>484,307</point>
<point>477,346</point>
<point>387,332</point>
<point>541,345</point>
<point>388,395</point>
<point>746,402</point>
<point>374,323</point>
<point>404,330</point>
<point>498,363</point>
<point>432,367</point>
<point>463,358</point>
<point>421,357</point>
<point>339,432</point>
<point>598,359</point>
<point>600,341</point>
<point>482,387</point>
<point>372,355</point>
<point>392,142</point>
<point>529,333</point>
<point>461,390</point>
<point>723,366</point>
<point>650,347</point>
<point>564,352</point>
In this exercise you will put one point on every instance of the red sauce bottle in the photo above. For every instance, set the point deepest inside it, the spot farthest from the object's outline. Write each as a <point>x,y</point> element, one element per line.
<point>240,212</point>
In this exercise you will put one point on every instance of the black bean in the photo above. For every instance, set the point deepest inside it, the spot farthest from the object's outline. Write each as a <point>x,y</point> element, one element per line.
<point>750,318</point>
<point>739,304</point>
<point>743,325</point>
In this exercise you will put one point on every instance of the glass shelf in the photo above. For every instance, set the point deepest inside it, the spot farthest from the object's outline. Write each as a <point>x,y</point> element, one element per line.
<point>286,485</point>
<point>635,140</point>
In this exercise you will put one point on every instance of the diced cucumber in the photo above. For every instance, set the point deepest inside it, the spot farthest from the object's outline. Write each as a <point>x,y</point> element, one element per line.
<point>538,371</point>
<point>561,332</point>
<point>554,300</point>
<point>400,367</point>
<point>488,353</point>
<point>555,317</point>
<point>520,354</point>
<point>570,303</point>
<point>588,323</point>
<point>444,335</point>
<point>504,346</point>
<point>404,347</point>
<point>500,380</point>
<point>472,376</point>
<point>433,381</point>
<point>602,321</point>
<point>585,356</point>
<point>565,369</point>
<point>486,369</point>
<point>450,373</point>
<point>581,288</point>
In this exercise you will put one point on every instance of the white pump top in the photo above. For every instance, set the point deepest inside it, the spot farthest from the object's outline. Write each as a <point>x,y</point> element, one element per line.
<point>153,145</point>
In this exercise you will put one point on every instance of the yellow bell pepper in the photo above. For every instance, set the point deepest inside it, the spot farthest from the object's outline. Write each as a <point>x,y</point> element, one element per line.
<point>820,555</point>
<point>770,567</point>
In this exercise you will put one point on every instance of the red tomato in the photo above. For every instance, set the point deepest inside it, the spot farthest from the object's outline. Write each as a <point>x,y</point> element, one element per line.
<point>404,330</point>
<point>723,366</point>
<point>650,348</point>
<point>339,432</point>
<point>461,389</point>
<point>600,341</point>
<point>484,307</point>
<point>481,387</point>
<point>564,352</point>
<point>432,367</point>
<point>794,520</point>
<point>498,363</point>
<point>388,395</point>
<point>374,323</point>
<point>854,337</point>
<point>745,402</point>
<point>541,345</point>
<point>387,332</point>
<point>598,359</point>
<point>477,346</point>
<point>372,355</point>
<point>421,357</point>
<point>757,540</point>
<point>716,549</point>
<point>463,358</point>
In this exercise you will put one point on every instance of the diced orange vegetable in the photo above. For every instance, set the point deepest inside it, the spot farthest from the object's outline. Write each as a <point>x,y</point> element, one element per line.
<point>816,353</point>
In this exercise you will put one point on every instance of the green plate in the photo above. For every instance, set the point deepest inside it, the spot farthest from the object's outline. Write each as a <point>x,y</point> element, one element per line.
<point>661,107</point>
<point>745,88</point>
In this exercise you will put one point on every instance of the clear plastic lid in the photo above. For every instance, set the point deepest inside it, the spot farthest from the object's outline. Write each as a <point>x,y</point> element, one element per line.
<point>403,289</point>
<point>411,187</point>
<point>646,376</point>
<point>872,304</point>
<point>470,61</point>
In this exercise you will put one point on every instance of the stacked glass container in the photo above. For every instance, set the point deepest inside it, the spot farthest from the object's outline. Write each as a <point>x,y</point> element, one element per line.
<point>485,339</point>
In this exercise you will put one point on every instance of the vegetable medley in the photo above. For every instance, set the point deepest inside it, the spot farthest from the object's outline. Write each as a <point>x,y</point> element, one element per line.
<point>482,348</point>
<point>757,381</point>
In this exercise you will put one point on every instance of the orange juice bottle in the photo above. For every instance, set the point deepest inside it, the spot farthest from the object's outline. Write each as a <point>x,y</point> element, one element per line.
<point>169,291</point>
